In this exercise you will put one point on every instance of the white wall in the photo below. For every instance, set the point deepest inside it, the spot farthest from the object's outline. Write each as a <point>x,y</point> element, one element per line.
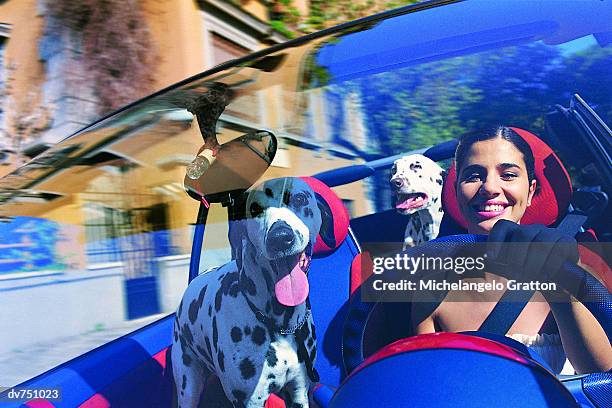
<point>51,306</point>
<point>172,281</point>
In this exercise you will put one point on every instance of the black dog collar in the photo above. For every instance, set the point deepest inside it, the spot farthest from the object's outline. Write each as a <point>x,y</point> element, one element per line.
<point>270,322</point>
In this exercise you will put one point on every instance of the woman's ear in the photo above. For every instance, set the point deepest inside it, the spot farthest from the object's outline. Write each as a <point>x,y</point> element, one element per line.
<point>532,190</point>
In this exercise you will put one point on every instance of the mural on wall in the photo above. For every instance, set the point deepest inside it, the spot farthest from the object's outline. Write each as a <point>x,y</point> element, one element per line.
<point>30,244</point>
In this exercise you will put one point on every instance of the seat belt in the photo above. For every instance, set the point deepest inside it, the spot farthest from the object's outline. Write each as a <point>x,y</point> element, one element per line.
<point>572,223</point>
<point>512,303</point>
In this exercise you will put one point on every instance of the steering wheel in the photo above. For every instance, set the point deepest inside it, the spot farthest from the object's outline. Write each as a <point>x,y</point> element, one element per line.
<point>590,292</point>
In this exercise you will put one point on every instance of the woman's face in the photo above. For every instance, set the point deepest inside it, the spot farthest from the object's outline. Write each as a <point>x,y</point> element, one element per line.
<point>493,185</point>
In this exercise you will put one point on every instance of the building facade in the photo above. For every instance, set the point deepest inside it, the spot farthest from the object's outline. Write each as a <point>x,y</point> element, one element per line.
<point>114,208</point>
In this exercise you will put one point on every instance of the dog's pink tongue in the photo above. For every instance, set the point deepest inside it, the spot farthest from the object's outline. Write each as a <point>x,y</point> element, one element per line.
<point>292,289</point>
<point>410,203</point>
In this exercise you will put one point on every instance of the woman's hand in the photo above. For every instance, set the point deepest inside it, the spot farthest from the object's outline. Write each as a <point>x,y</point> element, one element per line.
<point>532,252</point>
<point>537,253</point>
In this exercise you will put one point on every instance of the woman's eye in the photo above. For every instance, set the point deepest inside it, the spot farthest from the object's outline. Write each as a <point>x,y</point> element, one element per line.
<point>472,177</point>
<point>509,176</point>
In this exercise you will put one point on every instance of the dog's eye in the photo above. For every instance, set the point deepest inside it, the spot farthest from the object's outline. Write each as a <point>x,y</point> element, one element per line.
<point>415,166</point>
<point>256,210</point>
<point>286,198</point>
<point>394,168</point>
<point>299,200</point>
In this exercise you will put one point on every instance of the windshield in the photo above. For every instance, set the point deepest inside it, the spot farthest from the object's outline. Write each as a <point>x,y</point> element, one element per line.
<point>96,232</point>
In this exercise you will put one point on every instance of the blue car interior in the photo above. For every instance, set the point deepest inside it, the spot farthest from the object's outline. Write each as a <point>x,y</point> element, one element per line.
<point>135,371</point>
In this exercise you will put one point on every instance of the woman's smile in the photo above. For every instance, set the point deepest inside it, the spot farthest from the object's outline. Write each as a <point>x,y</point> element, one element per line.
<point>490,209</point>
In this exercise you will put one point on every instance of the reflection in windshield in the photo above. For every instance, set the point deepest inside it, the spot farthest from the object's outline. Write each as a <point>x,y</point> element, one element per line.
<point>236,165</point>
<point>96,233</point>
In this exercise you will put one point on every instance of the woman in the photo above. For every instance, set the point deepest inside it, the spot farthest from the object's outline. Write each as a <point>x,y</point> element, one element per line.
<point>496,181</point>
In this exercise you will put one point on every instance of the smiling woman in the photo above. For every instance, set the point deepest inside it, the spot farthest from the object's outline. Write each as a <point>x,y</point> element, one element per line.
<point>496,183</point>
<point>496,178</point>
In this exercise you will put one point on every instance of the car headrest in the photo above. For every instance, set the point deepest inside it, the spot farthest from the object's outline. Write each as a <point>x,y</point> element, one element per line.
<point>551,200</point>
<point>334,217</point>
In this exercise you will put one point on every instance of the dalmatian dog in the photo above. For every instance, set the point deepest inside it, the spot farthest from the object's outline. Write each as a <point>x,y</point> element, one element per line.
<point>417,183</point>
<point>249,321</point>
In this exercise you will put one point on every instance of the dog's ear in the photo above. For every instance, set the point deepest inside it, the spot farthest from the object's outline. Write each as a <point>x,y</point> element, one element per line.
<point>240,251</point>
<point>442,177</point>
<point>237,233</point>
<point>327,222</point>
<point>237,207</point>
<point>237,225</point>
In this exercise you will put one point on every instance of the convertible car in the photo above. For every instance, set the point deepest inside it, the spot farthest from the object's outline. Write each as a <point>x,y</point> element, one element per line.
<point>103,231</point>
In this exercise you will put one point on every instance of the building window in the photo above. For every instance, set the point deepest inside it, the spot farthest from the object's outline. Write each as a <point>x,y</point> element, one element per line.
<point>223,41</point>
<point>5,30</point>
<point>225,50</point>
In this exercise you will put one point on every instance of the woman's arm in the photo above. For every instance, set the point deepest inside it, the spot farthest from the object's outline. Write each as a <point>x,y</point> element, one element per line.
<point>584,340</point>
<point>538,253</point>
<point>426,326</point>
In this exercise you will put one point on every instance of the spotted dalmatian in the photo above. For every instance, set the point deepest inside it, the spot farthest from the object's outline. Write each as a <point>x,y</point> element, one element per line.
<point>249,321</point>
<point>417,183</point>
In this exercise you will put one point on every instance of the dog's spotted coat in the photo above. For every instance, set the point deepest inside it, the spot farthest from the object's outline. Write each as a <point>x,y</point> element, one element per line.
<point>216,330</point>
<point>417,174</point>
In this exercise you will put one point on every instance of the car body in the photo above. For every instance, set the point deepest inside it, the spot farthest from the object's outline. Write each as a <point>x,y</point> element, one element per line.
<point>99,230</point>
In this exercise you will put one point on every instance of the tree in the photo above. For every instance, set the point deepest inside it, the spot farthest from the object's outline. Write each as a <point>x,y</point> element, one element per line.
<point>587,73</point>
<point>424,104</point>
<point>417,106</point>
<point>112,43</point>
<point>24,120</point>
<point>287,19</point>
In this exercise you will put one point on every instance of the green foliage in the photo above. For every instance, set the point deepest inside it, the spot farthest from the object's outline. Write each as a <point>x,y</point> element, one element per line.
<point>281,28</point>
<point>591,78</point>
<point>316,21</point>
<point>326,13</point>
<point>424,104</point>
<point>392,4</point>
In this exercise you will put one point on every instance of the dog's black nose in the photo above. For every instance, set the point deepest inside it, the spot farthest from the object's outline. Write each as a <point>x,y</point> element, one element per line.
<point>280,236</point>
<point>397,182</point>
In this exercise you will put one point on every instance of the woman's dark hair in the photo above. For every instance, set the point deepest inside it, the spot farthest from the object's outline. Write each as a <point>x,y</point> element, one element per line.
<point>502,132</point>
